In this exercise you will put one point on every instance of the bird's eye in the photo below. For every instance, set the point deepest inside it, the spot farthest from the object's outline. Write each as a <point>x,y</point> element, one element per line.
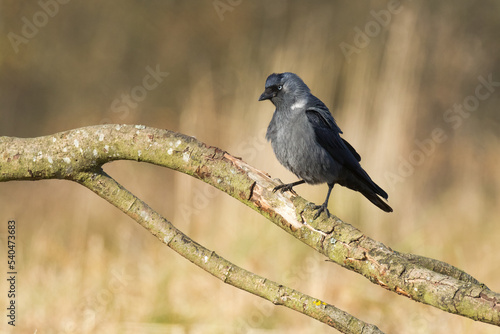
<point>280,87</point>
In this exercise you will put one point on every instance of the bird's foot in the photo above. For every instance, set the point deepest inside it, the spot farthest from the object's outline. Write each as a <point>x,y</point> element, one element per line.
<point>321,208</point>
<point>285,187</point>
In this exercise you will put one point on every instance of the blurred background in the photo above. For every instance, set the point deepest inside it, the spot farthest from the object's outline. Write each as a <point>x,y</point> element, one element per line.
<point>414,85</point>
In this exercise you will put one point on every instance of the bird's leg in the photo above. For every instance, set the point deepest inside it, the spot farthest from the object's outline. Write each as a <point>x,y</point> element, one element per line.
<point>288,187</point>
<point>324,206</point>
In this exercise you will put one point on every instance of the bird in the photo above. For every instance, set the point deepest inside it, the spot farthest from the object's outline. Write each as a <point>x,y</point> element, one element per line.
<point>306,140</point>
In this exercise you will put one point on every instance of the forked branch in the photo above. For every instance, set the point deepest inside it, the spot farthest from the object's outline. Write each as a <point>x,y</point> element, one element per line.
<point>79,154</point>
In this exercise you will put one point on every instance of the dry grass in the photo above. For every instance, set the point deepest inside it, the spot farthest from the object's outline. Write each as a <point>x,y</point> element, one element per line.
<point>86,268</point>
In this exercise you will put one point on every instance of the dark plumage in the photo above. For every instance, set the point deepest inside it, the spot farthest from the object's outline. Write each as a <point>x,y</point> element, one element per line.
<point>306,140</point>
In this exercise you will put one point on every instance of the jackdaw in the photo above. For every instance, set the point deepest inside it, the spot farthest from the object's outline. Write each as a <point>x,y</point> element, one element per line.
<point>306,140</point>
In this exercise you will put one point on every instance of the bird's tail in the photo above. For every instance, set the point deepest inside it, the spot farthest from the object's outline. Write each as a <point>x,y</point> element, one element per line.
<point>363,183</point>
<point>373,197</point>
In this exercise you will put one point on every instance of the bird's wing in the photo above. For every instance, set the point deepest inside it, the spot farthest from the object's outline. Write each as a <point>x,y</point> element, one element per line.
<point>328,136</point>
<point>353,151</point>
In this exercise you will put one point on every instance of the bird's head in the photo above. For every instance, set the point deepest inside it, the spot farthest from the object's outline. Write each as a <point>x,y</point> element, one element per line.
<point>284,88</point>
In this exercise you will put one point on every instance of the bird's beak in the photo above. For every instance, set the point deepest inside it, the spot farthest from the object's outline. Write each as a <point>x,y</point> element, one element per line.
<point>267,95</point>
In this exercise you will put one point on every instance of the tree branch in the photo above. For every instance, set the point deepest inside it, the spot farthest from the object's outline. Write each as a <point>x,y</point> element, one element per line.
<point>79,154</point>
<point>113,192</point>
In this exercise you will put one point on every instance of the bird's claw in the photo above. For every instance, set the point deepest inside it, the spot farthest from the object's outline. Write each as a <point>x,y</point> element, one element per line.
<point>285,187</point>
<point>321,208</point>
